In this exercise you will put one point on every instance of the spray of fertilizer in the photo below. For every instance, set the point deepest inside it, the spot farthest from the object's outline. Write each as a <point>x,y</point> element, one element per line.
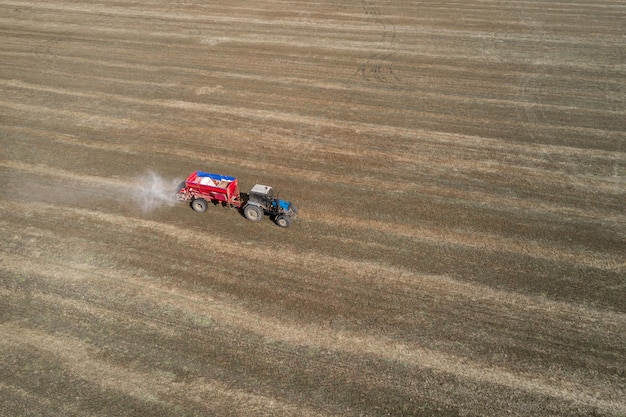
<point>152,192</point>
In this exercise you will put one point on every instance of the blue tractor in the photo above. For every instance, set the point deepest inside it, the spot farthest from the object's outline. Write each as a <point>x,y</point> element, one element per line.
<point>261,201</point>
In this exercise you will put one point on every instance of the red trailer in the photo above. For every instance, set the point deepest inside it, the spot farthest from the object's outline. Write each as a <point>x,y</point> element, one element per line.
<point>203,187</point>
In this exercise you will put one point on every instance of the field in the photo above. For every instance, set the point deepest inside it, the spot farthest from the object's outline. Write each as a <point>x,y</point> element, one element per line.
<point>460,170</point>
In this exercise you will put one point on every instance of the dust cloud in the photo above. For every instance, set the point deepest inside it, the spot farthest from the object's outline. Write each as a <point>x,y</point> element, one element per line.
<point>151,191</point>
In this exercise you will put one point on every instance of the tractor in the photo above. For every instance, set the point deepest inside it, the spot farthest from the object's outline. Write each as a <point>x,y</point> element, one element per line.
<point>261,201</point>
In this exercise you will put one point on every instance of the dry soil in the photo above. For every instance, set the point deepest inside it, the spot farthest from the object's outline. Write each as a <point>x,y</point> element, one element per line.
<point>460,169</point>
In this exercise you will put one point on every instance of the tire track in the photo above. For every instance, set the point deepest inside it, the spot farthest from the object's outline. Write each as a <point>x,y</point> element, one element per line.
<point>378,65</point>
<point>532,115</point>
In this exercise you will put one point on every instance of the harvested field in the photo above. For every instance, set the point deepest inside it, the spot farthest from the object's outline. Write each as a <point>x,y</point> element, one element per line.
<point>460,170</point>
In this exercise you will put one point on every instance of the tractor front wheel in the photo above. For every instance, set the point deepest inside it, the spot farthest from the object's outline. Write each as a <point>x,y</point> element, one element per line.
<point>253,213</point>
<point>283,220</point>
<point>200,205</point>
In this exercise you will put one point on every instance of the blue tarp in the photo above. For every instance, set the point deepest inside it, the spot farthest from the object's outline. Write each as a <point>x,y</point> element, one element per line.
<point>216,177</point>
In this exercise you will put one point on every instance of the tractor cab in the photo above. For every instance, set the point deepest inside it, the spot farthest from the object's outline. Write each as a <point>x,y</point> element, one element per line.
<point>261,195</point>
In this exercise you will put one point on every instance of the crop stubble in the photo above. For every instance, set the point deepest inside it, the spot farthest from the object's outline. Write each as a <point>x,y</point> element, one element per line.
<point>460,172</point>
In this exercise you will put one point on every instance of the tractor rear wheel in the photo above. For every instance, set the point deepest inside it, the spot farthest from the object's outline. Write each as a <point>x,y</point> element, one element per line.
<point>253,213</point>
<point>283,220</point>
<point>200,205</point>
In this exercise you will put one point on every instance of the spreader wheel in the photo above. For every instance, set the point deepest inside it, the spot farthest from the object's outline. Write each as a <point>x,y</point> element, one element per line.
<point>200,205</point>
<point>253,213</point>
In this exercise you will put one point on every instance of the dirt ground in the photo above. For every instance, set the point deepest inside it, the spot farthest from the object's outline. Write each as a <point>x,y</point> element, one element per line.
<point>460,170</point>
